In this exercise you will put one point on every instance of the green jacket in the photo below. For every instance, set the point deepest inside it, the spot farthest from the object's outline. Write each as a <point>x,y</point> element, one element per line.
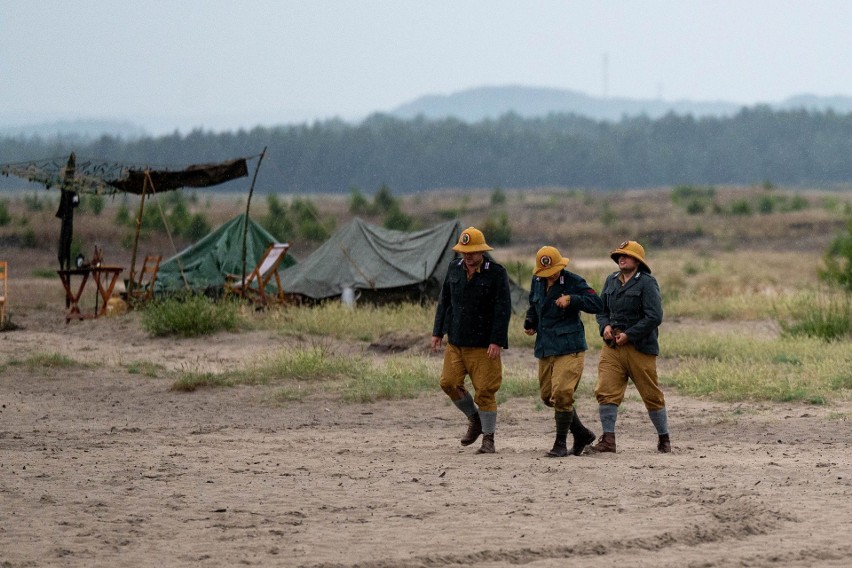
<point>560,331</point>
<point>635,308</point>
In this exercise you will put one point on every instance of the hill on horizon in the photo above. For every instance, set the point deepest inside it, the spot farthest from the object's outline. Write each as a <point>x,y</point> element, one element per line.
<point>470,105</point>
<point>477,104</point>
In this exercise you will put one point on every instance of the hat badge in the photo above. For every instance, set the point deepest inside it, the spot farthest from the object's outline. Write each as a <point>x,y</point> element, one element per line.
<point>624,244</point>
<point>465,238</point>
<point>546,261</point>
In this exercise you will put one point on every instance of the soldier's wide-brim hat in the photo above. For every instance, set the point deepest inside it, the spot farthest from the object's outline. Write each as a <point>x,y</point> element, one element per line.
<point>631,249</point>
<point>472,240</point>
<point>548,261</point>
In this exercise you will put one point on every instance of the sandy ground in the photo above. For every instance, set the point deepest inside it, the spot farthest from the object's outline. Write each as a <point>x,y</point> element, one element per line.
<point>100,466</point>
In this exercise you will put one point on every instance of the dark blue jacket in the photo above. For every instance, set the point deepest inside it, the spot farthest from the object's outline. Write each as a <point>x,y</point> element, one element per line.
<point>560,331</point>
<point>635,308</point>
<point>475,312</point>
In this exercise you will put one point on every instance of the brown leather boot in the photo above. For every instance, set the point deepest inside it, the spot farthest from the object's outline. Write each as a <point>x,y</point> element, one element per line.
<point>487,445</point>
<point>606,443</point>
<point>474,429</point>
<point>664,446</point>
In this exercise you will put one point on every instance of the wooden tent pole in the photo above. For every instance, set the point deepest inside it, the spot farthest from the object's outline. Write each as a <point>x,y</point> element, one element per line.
<point>136,238</point>
<point>248,206</point>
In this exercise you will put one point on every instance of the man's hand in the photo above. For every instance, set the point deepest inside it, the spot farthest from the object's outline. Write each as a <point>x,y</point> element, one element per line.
<point>494,351</point>
<point>607,334</point>
<point>563,301</point>
<point>529,331</point>
<point>436,342</point>
<point>621,339</point>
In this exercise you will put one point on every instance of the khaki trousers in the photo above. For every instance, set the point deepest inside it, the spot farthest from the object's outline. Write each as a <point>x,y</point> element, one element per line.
<point>486,374</point>
<point>620,363</point>
<point>558,377</point>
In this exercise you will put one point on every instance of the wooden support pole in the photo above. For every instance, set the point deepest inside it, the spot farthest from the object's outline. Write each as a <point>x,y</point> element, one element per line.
<point>248,206</point>
<point>136,238</point>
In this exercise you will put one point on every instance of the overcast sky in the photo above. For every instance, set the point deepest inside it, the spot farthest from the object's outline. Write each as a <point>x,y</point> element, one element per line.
<point>227,63</point>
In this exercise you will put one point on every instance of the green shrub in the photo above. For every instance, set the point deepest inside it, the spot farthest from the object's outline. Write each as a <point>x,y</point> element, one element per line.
<point>5,217</point>
<point>151,218</point>
<point>498,197</point>
<point>838,261</point>
<point>766,204</point>
<point>608,216</point>
<point>95,204</point>
<point>358,204</point>
<point>308,222</point>
<point>797,203</point>
<point>197,228</point>
<point>694,199</point>
<point>396,220</point>
<point>277,220</point>
<point>77,248</point>
<point>313,230</point>
<point>189,316</point>
<point>179,218</point>
<point>28,239</point>
<point>827,317</point>
<point>696,207</point>
<point>498,231</point>
<point>122,215</point>
<point>384,200</point>
<point>741,207</point>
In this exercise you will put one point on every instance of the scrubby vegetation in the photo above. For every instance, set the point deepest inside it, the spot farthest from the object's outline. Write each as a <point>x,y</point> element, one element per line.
<point>188,316</point>
<point>732,262</point>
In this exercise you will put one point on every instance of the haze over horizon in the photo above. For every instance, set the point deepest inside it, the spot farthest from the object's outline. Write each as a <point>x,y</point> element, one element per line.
<point>221,65</point>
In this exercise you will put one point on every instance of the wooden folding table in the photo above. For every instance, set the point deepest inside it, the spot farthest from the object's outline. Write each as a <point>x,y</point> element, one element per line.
<point>105,278</point>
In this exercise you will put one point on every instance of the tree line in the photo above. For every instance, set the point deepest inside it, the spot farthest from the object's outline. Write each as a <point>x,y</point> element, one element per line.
<point>757,145</point>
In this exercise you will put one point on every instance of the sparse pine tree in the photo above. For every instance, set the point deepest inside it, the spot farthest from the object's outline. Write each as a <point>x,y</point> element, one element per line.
<point>838,260</point>
<point>384,201</point>
<point>358,204</point>
<point>498,197</point>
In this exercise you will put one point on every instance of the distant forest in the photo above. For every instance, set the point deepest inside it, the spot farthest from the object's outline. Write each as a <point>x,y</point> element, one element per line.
<point>757,145</point>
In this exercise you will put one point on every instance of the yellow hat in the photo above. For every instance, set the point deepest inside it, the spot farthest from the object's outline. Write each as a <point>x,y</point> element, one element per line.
<point>632,249</point>
<point>471,240</point>
<point>548,262</point>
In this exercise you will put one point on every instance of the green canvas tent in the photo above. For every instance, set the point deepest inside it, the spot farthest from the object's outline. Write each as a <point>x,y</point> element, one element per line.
<point>381,264</point>
<point>203,266</point>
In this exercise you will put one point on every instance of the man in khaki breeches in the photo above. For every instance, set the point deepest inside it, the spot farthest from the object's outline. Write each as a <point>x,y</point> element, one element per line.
<point>474,311</point>
<point>557,296</point>
<point>629,326</point>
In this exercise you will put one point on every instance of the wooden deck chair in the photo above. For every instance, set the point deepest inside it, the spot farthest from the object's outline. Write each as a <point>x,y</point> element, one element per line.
<point>143,287</point>
<point>4,290</point>
<point>254,286</point>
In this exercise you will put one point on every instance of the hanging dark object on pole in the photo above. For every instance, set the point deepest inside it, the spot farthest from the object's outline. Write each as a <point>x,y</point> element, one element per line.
<point>68,200</point>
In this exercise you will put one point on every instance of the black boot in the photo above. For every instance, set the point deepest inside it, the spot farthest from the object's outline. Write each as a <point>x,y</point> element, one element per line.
<point>582,435</point>
<point>487,445</point>
<point>563,423</point>
<point>474,429</point>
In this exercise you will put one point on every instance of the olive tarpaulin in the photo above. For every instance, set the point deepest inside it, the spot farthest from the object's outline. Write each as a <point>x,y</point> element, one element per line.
<point>381,264</point>
<point>205,264</point>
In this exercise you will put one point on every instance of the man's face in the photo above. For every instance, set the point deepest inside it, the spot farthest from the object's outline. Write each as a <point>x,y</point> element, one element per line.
<point>627,263</point>
<point>471,259</point>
